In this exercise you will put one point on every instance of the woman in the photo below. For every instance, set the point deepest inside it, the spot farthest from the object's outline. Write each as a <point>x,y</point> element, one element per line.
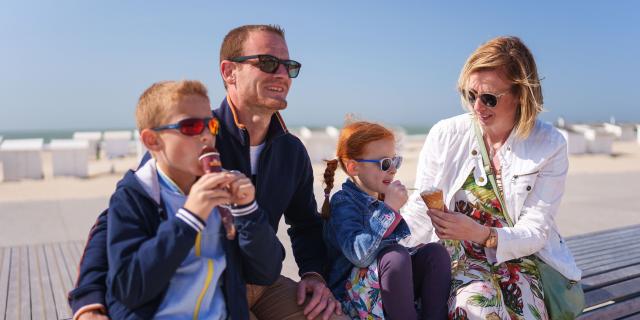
<point>492,245</point>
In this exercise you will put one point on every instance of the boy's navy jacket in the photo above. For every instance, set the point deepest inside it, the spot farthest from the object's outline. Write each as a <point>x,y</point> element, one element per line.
<point>284,185</point>
<point>157,246</point>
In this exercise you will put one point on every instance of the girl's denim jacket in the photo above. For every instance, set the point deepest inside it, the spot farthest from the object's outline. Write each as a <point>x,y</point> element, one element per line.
<point>359,227</point>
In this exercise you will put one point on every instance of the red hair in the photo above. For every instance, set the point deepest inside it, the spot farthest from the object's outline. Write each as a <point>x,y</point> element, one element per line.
<point>354,137</point>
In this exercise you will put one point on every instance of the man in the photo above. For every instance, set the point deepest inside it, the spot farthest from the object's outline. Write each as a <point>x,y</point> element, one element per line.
<point>257,73</point>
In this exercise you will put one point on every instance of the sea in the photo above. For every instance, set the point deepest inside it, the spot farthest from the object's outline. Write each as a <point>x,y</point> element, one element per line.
<point>48,135</point>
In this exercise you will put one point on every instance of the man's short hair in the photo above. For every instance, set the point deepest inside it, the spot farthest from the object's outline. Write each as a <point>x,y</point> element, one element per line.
<point>155,103</point>
<point>233,42</point>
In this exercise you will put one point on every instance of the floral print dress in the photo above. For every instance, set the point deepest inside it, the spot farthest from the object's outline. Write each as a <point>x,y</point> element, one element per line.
<point>480,288</point>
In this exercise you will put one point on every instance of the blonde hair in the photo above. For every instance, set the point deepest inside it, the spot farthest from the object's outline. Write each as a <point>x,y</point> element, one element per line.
<point>510,56</point>
<point>155,102</point>
<point>354,137</point>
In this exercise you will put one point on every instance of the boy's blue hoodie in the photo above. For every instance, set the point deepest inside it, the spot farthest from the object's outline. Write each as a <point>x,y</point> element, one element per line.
<point>146,248</point>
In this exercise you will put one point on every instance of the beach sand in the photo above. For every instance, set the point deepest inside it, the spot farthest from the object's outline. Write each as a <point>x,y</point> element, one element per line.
<point>600,194</point>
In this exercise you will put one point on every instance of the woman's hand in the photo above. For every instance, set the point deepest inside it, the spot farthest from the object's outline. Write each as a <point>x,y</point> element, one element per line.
<point>457,226</point>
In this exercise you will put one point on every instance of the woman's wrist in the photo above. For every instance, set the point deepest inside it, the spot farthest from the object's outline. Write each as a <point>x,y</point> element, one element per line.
<point>483,235</point>
<point>492,239</point>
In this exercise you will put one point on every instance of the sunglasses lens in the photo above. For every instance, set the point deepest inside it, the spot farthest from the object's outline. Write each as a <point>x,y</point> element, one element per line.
<point>397,161</point>
<point>489,100</point>
<point>471,98</point>
<point>213,126</point>
<point>268,64</point>
<point>293,69</point>
<point>385,164</point>
<point>191,127</point>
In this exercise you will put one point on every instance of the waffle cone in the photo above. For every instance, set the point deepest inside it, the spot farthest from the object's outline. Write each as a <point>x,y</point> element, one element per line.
<point>433,199</point>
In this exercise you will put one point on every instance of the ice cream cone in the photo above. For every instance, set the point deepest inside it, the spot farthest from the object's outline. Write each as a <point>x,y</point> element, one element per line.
<point>433,198</point>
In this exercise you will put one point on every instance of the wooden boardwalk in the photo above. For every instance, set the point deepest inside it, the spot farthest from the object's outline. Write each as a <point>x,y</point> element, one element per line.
<point>35,280</point>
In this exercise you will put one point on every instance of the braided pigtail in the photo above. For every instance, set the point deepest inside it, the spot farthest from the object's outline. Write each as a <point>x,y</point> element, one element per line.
<point>329,173</point>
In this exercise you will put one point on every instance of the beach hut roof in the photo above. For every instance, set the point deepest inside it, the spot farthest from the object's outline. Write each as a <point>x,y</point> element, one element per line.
<point>87,135</point>
<point>22,144</point>
<point>117,135</point>
<point>68,144</point>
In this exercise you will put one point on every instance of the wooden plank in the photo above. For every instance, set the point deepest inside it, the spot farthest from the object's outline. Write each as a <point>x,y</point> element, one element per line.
<point>71,261</point>
<point>25,290</point>
<point>597,248</point>
<point>5,264</point>
<point>578,239</point>
<point>604,239</point>
<point>633,255</point>
<point>595,270</point>
<point>42,304</point>
<point>635,316</point>
<point>604,279</point>
<point>18,300</point>
<point>614,235</point>
<point>11,309</point>
<point>615,246</point>
<point>615,311</point>
<point>612,292</point>
<point>35,286</point>
<point>59,279</point>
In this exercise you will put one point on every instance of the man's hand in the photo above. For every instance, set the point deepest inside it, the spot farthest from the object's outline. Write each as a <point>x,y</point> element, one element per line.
<point>321,301</point>
<point>93,315</point>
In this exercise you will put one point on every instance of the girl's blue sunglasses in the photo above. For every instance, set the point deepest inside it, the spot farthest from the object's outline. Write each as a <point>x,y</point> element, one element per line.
<point>385,163</point>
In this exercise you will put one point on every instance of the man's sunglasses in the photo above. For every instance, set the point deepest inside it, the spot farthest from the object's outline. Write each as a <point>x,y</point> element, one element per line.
<point>488,99</point>
<point>193,126</point>
<point>270,64</point>
<point>385,163</point>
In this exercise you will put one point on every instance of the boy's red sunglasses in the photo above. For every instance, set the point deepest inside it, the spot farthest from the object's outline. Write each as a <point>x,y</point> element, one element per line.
<point>192,126</point>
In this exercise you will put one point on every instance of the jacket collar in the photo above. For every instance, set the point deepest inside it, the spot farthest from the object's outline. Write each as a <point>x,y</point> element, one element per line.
<point>228,115</point>
<point>355,192</point>
<point>147,177</point>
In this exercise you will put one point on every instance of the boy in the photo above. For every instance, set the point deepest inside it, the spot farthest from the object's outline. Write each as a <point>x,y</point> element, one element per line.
<point>168,254</point>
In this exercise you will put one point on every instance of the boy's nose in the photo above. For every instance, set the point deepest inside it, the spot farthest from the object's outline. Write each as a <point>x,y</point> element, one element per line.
<point>207,138</point>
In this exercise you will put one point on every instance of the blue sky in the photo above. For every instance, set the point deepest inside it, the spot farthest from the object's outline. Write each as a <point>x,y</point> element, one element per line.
<point>83,64</point>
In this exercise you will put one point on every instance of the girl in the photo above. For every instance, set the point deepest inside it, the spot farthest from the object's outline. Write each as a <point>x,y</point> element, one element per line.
<point>370,273</point>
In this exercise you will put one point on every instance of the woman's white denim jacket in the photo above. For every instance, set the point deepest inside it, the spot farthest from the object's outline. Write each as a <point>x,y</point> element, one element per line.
<point>533,174</point>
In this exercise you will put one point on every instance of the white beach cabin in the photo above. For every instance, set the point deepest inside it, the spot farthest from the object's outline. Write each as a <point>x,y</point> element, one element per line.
<point>637,132</point>
<point>576,141</point>
<point>116,143</point>
<point>622,132</point>
<point>21,159</point>
<point>140,148</point>
<point>70,157</point>
<point>93,138</point>
<point>320,145</point>
<point>598,139</point>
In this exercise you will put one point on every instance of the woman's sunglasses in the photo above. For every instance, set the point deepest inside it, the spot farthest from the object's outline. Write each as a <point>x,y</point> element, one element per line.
<point>385,163</point>
<point>269,64</point>
<point>488,99</point>
<point>193,126</point>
